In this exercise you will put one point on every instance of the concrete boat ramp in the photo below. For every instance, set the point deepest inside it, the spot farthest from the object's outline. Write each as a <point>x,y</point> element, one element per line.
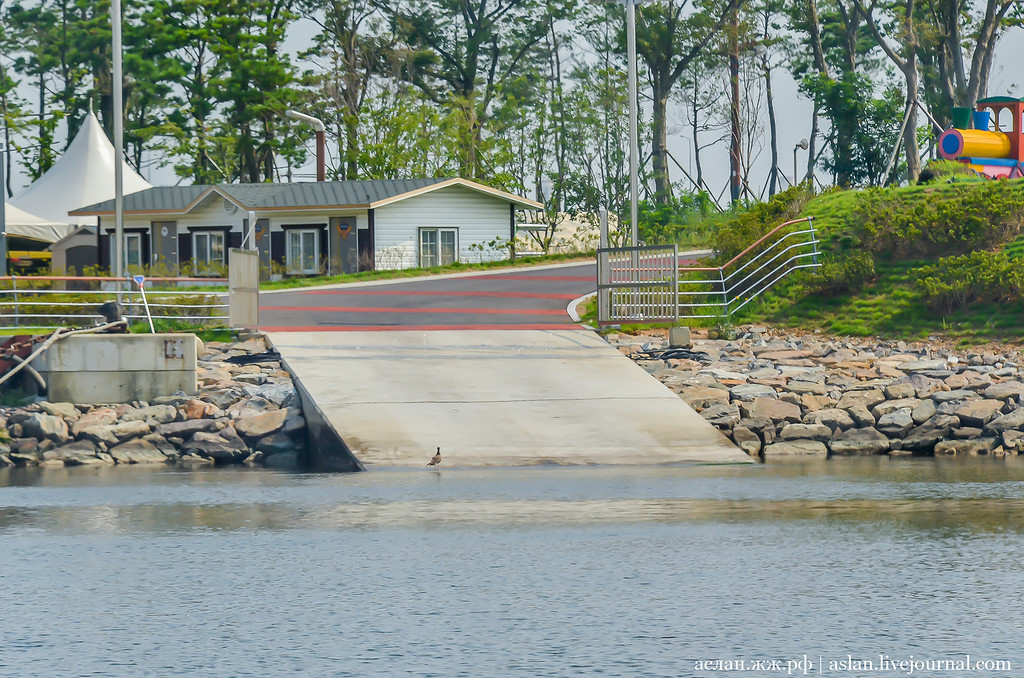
<point>490,398</point>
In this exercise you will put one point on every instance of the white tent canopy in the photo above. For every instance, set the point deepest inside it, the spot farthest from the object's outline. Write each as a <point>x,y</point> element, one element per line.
<point>84,175</point>
<point>22,224</point>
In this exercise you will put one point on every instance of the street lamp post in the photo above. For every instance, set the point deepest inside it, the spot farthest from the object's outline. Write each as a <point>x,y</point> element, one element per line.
<point>634,153</point>
<point>117,106</point>
<point>318,127</point>
<point>3,213</point>
<point>803,145</point>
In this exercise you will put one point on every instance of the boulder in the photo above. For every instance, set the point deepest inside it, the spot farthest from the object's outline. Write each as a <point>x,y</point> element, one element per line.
<point>861,417</point>
<point>747,392</point>
<point>254,379</point>
<point>966,448</point>
<point>807,387</point>
<point>1013,440</point>
<point>213,446</point>
<point>923,412</point>
<point>99,434</point>
<point>884,408</point>
<point>922,365</point>
<point>859,442</point>
<point>900,390</point>
<point>127,430</point>
<point>966,433</point>
<point>197,409</point>
<point>259,425</point>
<point>1004,390</point>
<point>62,410</point>
<point>722,416</point>
<point>703,397</point>
<point>46,426</point>
<point>866,399</point>
<point>163,414</point>
<point>895,424</point>
<point>763,427</point>
<point>137,452</point>
<point>1006,422</point>
<point>102,416</point>
<point>78,453</point>
<point>923,438</point>
<point>948,396</point>
<point>767,408</point>
<point>833,418</point>
<point>978,412</point>
<point>796,448</point>
<point>818,432</point>
<point>184,429</point>
<point>279,443</point>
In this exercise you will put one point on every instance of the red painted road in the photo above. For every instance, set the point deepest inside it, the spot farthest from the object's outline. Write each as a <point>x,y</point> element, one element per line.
<point>524,298</point>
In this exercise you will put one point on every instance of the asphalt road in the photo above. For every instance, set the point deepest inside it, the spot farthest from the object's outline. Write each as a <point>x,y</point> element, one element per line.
<point>533,298</point>
<point>510,299</point>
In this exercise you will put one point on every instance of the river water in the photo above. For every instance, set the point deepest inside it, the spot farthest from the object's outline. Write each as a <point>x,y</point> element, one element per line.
<point>792,569</point>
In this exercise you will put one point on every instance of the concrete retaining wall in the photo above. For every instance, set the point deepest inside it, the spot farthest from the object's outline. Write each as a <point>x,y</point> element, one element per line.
<point>119,368</point>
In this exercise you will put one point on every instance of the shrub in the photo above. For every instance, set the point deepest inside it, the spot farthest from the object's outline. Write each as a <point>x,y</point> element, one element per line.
<point>741,230</point>
<point>845,272</point>
<point>968,218</point>
<point>955,282</point>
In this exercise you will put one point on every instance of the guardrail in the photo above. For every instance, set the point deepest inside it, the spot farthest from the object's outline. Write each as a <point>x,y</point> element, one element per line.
<point>646,284</point>
<point>42,302</point>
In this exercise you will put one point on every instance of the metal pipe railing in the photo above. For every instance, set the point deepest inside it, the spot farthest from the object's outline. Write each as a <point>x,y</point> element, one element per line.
<point>638,283</point>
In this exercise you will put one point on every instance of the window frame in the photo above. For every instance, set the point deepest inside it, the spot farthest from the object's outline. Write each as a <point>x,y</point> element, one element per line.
<point>438,242</point>
<point>202,264</point>
<point>288,250</point>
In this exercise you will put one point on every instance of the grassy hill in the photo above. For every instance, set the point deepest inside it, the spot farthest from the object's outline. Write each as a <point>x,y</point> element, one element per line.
<point>945,258</point>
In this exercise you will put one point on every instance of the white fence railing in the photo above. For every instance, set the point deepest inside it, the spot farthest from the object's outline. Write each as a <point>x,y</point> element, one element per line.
<point>646,284</point>
<point>40,302</point>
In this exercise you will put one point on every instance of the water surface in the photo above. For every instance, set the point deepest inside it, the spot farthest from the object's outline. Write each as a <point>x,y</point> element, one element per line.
<point>616,571</point>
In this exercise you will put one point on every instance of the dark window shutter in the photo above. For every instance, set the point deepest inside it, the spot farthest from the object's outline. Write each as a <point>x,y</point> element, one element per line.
<point>234,239</point>
<point>322,264</point>
<point>184,247</point>
<point>277,247</point>
<point>103,255</point>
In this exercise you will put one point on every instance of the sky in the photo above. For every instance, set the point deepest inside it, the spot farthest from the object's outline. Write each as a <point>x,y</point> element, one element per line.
<point>792,109</point>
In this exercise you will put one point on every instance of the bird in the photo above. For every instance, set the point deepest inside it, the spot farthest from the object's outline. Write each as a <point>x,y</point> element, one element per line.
<point>436,459</point>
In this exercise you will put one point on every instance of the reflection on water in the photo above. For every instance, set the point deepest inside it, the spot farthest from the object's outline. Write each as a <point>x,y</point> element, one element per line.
<point>508,572</point>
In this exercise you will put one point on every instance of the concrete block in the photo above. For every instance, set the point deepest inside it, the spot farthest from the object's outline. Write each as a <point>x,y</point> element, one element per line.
<point>679,336</point>
<point>113,368</point>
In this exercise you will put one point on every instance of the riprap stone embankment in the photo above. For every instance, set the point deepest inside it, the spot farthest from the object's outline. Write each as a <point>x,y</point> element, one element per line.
<point>780,394</point>
<point>246,411</point>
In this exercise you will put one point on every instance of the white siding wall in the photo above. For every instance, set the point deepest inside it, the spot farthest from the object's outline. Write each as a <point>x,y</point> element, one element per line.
<point>480,219</point>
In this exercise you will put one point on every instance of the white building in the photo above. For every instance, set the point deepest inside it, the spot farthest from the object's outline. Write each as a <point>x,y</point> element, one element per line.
<point>311,228</point>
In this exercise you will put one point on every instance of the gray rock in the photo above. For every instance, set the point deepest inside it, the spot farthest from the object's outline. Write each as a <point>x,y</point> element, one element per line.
<point>259,425</point>
<point>1004,390</point>
<point>99,434</point>
<point>163,414</point>
<point>1006,422</point>
<point>818,432</point>
<point>796,448</point>
<point>979,412</point>
<point>254,379</point>
<point>859,442</point>
<point>966,433</point>
<point>767,408</point>
<point>922,365</point>
<point>49,426</point>
<point>948,396</point>
<point>702,397</point>
<point>285,461</point>
<point>884,408</point>
<point>835,419</point>
<point>895,424</point>
<point>127,430</point>
<point>865,399</point>
<point>278,443</point>
<point>1013,440</point>
<point>807,387</point>
<point>922,439</point>
<point>184,429</point>
<point>900,389</point>
<point>215,447</point>
<point>137,452</point>
<point>763,427</point>
<point>722,416</point>
<point>101,416</point>
<point>861,417</point>
<point>747,392</point>
<point>969,448</point>
<point>63,410</point>
<point>923,412</point>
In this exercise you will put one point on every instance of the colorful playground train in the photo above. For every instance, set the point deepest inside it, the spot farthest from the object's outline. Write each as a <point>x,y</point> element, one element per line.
<point>989,139</point>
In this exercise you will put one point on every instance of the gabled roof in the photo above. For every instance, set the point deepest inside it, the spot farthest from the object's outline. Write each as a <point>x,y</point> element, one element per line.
<point>84,174</point>
<point>369,194</point>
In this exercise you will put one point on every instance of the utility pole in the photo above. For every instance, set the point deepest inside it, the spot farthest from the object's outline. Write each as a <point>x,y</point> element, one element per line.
<point>734,82</point>
<point>118,109</point>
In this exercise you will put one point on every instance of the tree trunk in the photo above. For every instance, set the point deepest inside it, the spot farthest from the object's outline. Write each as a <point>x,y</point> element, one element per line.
<point>659,152</point>
<point>773,133</point>
<point>734,84</point>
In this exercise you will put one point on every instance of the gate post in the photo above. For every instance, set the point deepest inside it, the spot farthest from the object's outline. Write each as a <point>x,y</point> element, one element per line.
<point>244,289</point>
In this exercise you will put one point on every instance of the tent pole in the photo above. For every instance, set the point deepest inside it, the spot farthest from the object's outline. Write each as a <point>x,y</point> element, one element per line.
<point>118,106</point>
<point>3,214</point>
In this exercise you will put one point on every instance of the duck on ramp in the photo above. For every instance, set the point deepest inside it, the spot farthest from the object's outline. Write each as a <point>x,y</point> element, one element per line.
<point>494,398</point>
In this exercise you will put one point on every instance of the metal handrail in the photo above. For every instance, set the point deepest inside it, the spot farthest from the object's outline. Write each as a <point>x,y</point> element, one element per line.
<point>711,296</point>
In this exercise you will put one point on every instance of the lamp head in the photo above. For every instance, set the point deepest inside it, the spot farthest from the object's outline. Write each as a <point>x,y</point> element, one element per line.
<point>802,144</point>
